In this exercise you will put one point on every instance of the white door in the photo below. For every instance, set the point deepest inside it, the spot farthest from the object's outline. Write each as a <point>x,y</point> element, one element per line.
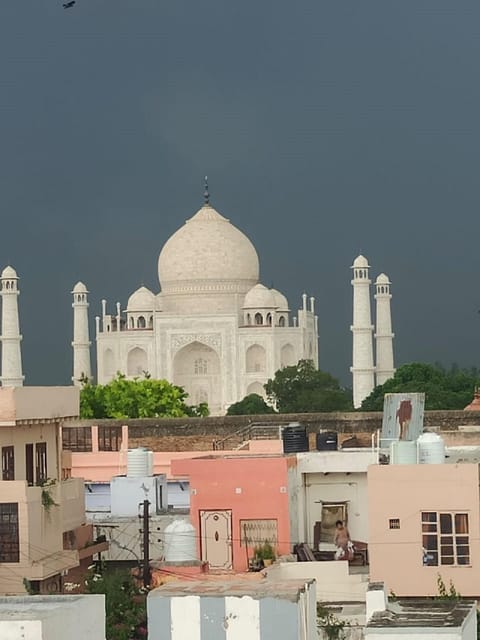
<point>216,538</point>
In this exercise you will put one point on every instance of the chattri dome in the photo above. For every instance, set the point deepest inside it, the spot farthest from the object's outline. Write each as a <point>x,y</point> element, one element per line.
<point>207,254</point>
<point>259,297</point>
<point>360,261</point>
<point>9,272</point>
<point>141,300</point>
<point>382,279</point>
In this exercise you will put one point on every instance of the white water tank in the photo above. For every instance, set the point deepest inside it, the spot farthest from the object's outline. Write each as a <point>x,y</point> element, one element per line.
<point>179,542</point>
<point>150,463</point>
<point>431,449</point>
<point>403,452</point>
<point>138,465</point>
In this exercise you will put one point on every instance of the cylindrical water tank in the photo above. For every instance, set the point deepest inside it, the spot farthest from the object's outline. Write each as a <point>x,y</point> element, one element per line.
<point>137,463</point>
<point>179,543</point>
<point>150,463</point>
<point>294,438</point>
<point>403,452</point>
<point>431,449</point>
<point>327,441</point>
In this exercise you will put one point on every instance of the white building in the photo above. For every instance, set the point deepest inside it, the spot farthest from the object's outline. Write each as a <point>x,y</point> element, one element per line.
<point>213,328</point>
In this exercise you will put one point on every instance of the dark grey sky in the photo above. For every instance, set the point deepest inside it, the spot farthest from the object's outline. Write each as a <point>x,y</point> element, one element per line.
<point>325,128</point>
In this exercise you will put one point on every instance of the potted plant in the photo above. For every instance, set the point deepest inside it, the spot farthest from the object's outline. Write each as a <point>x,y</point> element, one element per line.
<point>266,553</point>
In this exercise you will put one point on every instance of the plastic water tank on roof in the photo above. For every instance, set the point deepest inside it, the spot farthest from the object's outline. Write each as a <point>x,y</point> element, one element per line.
<point>431,449</point>
<point>259,297</point>
<point>179,542</point>
<point>139,463</point>
<point>141,300</point>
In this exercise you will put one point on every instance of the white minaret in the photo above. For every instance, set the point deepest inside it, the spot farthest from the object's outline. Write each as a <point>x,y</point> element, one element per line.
<point>11,338</point>
<point>383,336</point>
<point>362,363</point>
<point>81,342</point>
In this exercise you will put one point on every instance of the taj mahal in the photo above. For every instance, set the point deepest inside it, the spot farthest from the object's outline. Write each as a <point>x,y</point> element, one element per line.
<point>213,328</point>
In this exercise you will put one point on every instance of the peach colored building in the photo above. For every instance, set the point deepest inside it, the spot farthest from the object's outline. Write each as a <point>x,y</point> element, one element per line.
<point>237,502</point>
<point>424,520</point>
<point>43,533</point>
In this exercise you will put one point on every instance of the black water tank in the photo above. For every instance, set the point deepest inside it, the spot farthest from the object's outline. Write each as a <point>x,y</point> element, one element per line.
<point>294,438</point>
<point>327,441</point>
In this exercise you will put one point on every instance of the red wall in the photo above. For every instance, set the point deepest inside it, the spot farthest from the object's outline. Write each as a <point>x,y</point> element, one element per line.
<point>214,485</point>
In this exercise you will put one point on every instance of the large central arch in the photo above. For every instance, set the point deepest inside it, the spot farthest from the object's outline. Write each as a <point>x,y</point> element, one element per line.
<point>196,368</point>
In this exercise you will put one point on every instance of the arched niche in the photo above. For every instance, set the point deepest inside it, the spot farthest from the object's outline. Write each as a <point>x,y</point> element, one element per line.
<point>256,387</point>
<point>137,362</point>
<point>255,359</point>
<point>109,363</point>
<point>196,368</point>
<point>287,356</point>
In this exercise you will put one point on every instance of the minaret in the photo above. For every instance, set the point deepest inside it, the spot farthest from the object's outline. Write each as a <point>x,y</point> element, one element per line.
<point>362,364</point>
<point>383,336</point>
<point>11,338</point>
<point>81,342</point>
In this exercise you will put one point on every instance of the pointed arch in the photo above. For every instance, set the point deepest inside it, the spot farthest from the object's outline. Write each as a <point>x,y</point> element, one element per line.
<point>137,362</point>
<point>287,356</point>
<point>258,388</point>
<point>108,363</point>
<point>256,359</point>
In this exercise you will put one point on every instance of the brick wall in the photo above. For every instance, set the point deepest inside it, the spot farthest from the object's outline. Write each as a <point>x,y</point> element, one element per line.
<point>198,434</point>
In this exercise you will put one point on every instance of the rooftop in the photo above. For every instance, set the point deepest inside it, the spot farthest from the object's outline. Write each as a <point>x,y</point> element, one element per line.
<point>423,612</point>
<point>40,404</point>
<point>282,589</point>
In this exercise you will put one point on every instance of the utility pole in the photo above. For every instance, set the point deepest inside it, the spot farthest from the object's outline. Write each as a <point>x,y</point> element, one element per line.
<point>146,545</point>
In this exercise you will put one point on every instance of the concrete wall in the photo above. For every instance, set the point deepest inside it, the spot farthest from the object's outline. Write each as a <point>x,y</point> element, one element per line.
<point>221,616</point>
<point>178,434</point>
<point>333,580</point>
<point>403,492</point>
<point>46,617</point>
<point>37,403</point>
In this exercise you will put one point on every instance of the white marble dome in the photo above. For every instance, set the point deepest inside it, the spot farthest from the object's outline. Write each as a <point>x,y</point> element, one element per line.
<point>280,300</point>
<point>9,272</point>
<point>141,300</point>
<point>382,279</point>
<point>360,261</point>
<point>79,288</point>
<point>207,254</point>
<point>259,297</point>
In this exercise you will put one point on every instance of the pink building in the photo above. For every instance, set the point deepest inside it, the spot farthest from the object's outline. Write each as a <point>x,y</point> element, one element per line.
<point>424,521</point>
<point>236,503</point>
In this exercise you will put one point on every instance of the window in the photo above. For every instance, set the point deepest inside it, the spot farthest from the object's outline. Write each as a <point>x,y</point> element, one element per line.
<point>41,462</point>
<point>109,438</point>
<point>141,323</point>
<point>9,539</point>
<point>8,463</point>
<point>200,366</point>
<point>77,438</point>
<point>445,539</point>
<point>394,523</point>
<point>29,474</point>
<point>258,318</point>
<point>255,532</point>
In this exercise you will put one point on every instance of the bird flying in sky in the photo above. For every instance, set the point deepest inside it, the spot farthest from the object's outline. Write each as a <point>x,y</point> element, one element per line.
<point>69,4</point>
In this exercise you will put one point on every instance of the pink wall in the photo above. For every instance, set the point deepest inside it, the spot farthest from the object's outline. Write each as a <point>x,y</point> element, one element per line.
<point>403,492</point>
<point>253,487</point>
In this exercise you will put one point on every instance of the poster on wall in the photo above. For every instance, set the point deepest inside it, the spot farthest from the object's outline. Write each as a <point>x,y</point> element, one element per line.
<point>402,417</point>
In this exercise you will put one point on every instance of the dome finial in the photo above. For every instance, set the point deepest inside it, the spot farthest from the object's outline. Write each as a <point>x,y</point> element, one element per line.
<point>206,193</point>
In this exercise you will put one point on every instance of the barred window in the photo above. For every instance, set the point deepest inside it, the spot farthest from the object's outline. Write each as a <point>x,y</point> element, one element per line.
<point>77,438</point>
<point>256,532</point>
<point>200,366</point>
<point>9,538</point>
<point>394,523</point>
<point>445,539</point>
<point>109,438</point>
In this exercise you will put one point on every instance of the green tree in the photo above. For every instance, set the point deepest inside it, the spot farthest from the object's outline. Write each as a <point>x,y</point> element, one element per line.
<point>253,404</point>
<point>138,398</point>
<point>304,389</point>
<point>444,389</point>
<point>125,610</point>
